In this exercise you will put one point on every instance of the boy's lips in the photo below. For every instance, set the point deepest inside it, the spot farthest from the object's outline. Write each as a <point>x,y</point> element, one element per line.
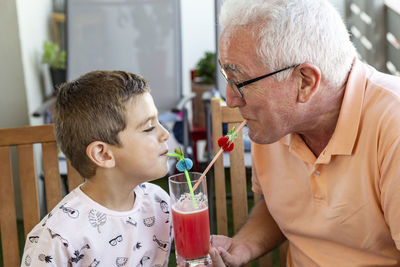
<point>164,153</point>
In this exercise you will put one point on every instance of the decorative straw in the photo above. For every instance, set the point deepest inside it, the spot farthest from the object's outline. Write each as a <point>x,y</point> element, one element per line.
<point>180,157</point>
<point>215,158</point>
<point>190,188</point>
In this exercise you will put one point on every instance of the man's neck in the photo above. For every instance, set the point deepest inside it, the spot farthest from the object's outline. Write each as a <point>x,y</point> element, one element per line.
<point>323,125</point>
<point>317,142</point>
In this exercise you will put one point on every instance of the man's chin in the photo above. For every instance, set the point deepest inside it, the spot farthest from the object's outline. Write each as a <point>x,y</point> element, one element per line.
<point>261,139</point>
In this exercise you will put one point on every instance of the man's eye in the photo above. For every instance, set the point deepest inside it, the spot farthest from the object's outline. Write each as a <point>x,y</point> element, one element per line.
<point>149,129</point>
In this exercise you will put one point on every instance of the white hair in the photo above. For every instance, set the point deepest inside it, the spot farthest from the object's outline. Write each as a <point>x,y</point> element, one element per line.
<point>295,31</point>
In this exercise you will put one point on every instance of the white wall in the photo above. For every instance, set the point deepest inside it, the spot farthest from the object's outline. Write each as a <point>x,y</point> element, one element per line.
<point>23,27</point>
<point>13,102</point>
<point>34,19</point>
<point>198,35</point>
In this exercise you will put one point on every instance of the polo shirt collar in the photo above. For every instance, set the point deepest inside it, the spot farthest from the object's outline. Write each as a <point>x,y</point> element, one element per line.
<point>344,137</point>
<point>345,134</point>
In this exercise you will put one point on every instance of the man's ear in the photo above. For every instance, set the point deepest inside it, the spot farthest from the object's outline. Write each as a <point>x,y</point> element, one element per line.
<point>310,76</point>
<point>101,154</point>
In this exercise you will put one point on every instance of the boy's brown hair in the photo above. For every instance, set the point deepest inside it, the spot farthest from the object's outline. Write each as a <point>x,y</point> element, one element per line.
<point>93,108</point>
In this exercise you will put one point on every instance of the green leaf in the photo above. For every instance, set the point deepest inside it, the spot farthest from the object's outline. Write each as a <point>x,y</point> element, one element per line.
<point>205,68</point>
<point>53,56</point>
<point>177,151</point>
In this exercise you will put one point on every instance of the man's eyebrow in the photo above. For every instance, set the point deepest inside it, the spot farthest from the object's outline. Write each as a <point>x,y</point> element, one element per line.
<point>144,121</point>
<point>230,67</point>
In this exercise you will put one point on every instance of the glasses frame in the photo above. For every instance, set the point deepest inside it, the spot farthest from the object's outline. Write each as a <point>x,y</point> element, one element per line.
<point>237,86</point>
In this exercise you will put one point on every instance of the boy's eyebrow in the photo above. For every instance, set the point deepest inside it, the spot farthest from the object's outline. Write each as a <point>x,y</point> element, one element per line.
<point>150,118</point>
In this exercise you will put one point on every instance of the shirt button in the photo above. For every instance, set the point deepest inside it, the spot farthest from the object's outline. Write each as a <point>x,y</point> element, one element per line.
<point>317,173</point>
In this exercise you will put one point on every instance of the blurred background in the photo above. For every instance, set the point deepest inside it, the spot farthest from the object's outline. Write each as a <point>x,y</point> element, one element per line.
<point>172,43</point>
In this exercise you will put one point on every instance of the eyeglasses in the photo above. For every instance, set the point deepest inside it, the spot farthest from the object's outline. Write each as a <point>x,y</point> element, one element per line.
<point>113,242</point>
<point>237,86</point>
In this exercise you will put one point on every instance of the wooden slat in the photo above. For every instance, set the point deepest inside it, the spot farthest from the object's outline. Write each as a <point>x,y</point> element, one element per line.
<point>29,194</point>
<point>52,179</point>
<point>238,181</point>
<point>219,172</point>
<point>230,115</point>
<point>27,135</point>
<point>8,220</point>
<point>58,17</point>
<point>74,178</point>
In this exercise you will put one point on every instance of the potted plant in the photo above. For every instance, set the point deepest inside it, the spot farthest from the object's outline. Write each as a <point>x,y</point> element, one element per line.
<point>203,77</point>
<point>56,59</point>
<point>205,69</point>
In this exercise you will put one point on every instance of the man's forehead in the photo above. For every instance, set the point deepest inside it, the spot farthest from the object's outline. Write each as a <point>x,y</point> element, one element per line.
<point>236,48</point>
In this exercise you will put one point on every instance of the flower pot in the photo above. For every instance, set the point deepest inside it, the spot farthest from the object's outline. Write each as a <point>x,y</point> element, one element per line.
<point>58,76</point>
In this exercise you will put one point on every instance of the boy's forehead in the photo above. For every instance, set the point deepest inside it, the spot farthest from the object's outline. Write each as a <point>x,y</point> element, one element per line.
<point>141,109</point>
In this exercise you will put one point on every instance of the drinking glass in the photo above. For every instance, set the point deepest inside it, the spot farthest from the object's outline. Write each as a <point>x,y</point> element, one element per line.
<point>190,220</point>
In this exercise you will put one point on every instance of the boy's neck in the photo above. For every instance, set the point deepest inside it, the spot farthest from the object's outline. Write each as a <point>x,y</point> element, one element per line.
<point>110,192</point>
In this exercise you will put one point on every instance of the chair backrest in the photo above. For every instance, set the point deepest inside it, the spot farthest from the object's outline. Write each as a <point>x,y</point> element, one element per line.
<point>23,139</point>
<point>219,116</point>
<point>238,180</point>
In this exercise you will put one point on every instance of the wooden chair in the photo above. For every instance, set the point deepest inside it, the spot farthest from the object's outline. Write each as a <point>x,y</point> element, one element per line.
<point>24,138</point>
<point>219,116</point>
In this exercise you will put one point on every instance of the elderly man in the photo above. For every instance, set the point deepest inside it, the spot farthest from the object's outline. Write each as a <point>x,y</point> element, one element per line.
<point>326,137</point>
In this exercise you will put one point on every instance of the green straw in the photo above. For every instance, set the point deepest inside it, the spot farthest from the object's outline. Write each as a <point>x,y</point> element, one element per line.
<point>190,188</point>
<point>182,158</point>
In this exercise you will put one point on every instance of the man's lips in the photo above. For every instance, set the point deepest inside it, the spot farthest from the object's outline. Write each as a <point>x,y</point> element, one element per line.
<point>247,119</point>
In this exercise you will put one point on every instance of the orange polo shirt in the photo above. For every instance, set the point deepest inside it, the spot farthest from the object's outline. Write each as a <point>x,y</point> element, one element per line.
<point>342,208</point>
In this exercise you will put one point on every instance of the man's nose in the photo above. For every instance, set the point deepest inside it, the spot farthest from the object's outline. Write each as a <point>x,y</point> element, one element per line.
<point>232,98</point>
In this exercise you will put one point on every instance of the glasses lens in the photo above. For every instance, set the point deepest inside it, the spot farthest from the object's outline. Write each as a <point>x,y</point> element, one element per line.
<point>235,88</point>
<point>231,84</point>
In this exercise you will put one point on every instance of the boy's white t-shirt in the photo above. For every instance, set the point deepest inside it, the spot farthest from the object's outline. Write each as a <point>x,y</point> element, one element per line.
<point>81,232</point>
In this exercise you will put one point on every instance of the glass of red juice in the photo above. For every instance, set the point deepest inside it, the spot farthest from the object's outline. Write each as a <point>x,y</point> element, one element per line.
<point>190,220</point>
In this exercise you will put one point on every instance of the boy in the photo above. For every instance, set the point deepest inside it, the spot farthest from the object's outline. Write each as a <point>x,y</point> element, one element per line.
<point>106,124</point>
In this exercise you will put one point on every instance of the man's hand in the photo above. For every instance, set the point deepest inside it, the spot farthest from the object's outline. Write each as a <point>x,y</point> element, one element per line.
<point>224,251</point>
<point>258,235</point>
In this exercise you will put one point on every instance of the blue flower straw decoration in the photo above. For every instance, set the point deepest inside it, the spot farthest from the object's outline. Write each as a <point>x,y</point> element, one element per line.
<point>183,165</point>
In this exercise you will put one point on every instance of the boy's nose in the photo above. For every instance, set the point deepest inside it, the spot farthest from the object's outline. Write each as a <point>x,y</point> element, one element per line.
<point>164,134</point>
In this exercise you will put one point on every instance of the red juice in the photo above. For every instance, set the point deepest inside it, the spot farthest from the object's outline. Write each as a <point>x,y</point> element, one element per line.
<point>192,233</point>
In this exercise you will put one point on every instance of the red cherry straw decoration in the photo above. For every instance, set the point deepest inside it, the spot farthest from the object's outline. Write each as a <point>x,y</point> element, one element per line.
<point>226,144</point>
<point>215,158</point>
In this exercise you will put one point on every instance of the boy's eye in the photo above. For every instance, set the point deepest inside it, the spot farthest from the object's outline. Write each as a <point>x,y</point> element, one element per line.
<point>149,129</point>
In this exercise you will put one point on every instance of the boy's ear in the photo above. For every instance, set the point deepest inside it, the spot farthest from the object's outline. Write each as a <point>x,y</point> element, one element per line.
<point>310,76</point>
<point>101,154</point>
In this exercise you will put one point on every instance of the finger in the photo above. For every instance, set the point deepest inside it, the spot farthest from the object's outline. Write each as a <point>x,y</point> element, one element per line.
<point>226,257</point>
<point>220,241</point>
<point>216,258</point>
